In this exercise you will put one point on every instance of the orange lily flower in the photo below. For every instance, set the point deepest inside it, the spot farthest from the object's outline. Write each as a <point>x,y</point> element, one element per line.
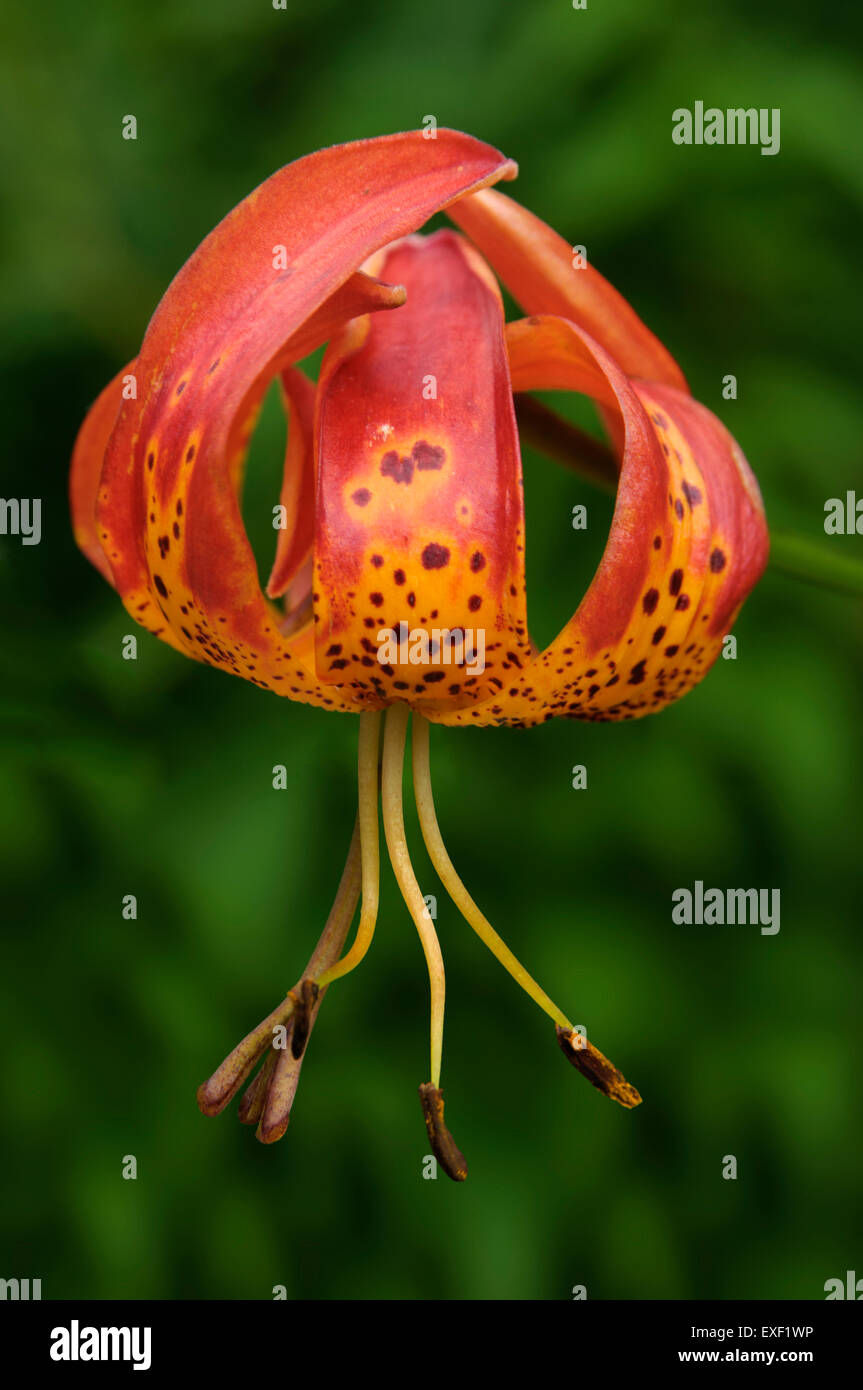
<point>398,586</point>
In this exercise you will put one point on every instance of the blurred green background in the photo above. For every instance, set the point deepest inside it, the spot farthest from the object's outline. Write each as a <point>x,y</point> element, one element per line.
<point>154,777</point>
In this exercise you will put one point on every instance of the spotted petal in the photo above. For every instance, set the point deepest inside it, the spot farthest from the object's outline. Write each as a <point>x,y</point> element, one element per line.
<point>270,283</point>
<point>688,540</point>
<point>419,515</point>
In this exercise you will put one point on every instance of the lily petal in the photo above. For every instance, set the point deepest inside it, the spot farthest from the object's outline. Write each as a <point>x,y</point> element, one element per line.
<point>536,265</point>
<point>294,545</point>
<point>88,457</point>
<point>688,540</point>
<point>419,513</point>
<point>266,286</point>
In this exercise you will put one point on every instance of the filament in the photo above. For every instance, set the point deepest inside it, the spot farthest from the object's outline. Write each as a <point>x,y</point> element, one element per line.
<point>367,780</point>
<point>214,1094</point>
<point>453,884</point>
<point>395,732</point>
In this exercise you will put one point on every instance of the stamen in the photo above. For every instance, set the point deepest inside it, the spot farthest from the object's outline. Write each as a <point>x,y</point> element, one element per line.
<point>251,1106</point>
<point>305,999</point>
<point>582,1054</point>
<point>367,778</point>
<point>395,732</point>
<point>223,1085</point>
<point>596,1067</point>
<point>444,1147</point>
<point>219,1090</point>
<point>453,884</point>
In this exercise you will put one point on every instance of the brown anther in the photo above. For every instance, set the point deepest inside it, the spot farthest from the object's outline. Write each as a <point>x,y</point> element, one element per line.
<point>305,999</point>
<point>596,1067</point>
<point>223,1085</point>
<point>281,1089</point>
<point>254,1098</point>
<point>444,1147</point>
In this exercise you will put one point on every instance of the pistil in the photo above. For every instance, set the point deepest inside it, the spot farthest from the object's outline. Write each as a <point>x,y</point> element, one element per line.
<point>395,734</point>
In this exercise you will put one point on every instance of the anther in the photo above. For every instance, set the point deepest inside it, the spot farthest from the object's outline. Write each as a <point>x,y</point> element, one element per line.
<point>596,1067</point>
<point>223,1085</point>
<point>444,1147</point>
<point>305,999</point>
<point>251,1106</point>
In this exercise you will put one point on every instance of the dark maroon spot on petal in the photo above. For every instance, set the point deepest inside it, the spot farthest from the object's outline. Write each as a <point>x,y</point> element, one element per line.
<point>400,469</point>
<point>453,689</point>
<point>412,598</point>
<point>376,599</point>
<point>181,388</point>
<point>474,603</point>
<point>377,561</point>
<point>339,665</point>
<point>434,676</point>
<point>717,560</point>
<point>683,603</point>
<point>335,649</point>
<point>160,585</point>
<point>176,530</point>
<point>435,557</point>
<point>675,582</point>
<point>636,675</point>
<point>692,494</point>
<point>650,600</point>
<point>657,542</point>
<point>427,455</point>
<point>658,636</point>
<point>678,509</point>
<point>477,561</point>
<point>399,576</point>
<point>672,651</point>
<point>151,459</point>
<point>362,497</point>
<point>179,507</point>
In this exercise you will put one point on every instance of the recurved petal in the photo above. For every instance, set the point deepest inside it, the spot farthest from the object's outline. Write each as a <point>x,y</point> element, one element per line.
<point>536,265</point>
<point>545,355</point>
<point>88,457</point>
<point>295,536</point>
<point>688,540</point>
<point>419,513</point>
<point>262,290</point>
